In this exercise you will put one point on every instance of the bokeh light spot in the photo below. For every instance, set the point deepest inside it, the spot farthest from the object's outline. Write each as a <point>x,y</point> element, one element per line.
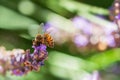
<point>26,7</point>
<point>102,46</point>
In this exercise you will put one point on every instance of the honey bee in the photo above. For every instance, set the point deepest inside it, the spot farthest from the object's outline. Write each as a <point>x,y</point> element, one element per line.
<point>48,40</point>
<point>38,40</point>
<point>44,39</point>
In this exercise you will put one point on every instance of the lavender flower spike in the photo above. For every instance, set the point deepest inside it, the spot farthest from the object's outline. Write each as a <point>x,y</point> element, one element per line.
<point>25,62</point>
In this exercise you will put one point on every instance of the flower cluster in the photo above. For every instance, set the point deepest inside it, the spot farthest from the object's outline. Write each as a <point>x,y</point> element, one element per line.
<point>5,61</point>
<point>115,10</point>
<point>22,63</point>
<point>88,36</point>
<point>115,16</point>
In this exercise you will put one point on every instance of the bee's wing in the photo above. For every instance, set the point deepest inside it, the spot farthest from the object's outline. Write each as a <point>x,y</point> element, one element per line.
<point>41,29</point>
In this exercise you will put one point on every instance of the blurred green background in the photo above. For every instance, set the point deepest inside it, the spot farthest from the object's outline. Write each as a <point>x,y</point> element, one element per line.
<point>19,21</point>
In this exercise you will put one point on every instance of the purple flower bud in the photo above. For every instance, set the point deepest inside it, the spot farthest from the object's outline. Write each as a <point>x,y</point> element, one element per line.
<point>42,47</point>
<point>17,72</point>
<point>41,63</point>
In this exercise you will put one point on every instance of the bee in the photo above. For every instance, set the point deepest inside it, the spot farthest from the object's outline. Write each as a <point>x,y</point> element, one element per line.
<point>38,40</point>
<point>48,40</point>
<point>44,39</point>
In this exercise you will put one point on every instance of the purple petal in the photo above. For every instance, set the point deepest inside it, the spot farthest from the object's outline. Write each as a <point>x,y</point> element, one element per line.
<point>17,72</point>
<point>81,40</point>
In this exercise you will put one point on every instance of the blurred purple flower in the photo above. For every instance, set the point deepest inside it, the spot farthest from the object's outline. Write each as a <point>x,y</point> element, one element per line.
<point>115,9</point>
<point>47,26</point>
<point>110,41</point>
<point>117,17</point>
<point>82,24</point>
<point>80,40</point>
<point>109,28</point>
